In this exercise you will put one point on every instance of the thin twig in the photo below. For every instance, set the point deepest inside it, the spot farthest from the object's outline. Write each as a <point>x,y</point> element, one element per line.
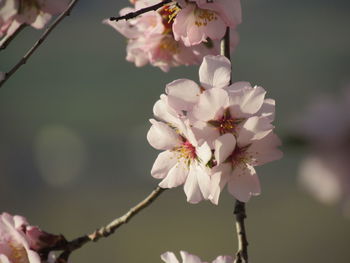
<point>30,52</point>
<point>8,39</point>
<point>107,230</point>
<point>240,214</point>
<point>141,11</point>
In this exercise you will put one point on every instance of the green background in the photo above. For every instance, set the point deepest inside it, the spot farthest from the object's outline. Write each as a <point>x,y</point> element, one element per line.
<point>78,101</point>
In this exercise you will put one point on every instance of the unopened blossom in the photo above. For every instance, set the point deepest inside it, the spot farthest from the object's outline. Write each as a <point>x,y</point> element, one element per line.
<point>184,159</point>
<point>20,242</point>
<point>36,13</point>
<point>151,38</point>
<point>325,171</point>
<point>199,20</point>
<point>169,257</point>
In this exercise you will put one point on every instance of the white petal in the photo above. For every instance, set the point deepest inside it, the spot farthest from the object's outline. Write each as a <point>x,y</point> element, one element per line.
<point>162,137</point>
<point>224,146</point>
<point>162,165</point>
<point>191,187</point>
<point>219,179</point>
<point>204,153</point>
<point>268,109</point>
<point>223,259</point>
<point>215,72</point>
<point>176,176</point>
<point>211,104</point>
<point>189,258</point>
<point>244,183</point>
<point>182,94</point>
<point>254,128</point>
<point>169,257</point>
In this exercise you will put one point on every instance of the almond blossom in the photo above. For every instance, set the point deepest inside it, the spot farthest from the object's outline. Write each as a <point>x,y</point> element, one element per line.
<point>20,242</point>
<point>36,13</point>
<point>184,159</point>
<point>151,38</point>
<point>231,122</point>
<point>169,257</point>
<point>199,20</point>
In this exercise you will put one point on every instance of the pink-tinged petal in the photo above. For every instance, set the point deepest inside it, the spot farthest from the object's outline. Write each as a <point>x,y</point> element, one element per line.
<point>195,35</point>
<point>182,94</point>
<point>246,102</point>
<point>244,183</point>
<point>204,180</point>
<point>204,153</point>
<point>189,258</point>
<point>211,105</point>
<point>162,111</point>
<point>254,128</point>
<point>169,257</point>
<point>219,178</point>
<point>184,18</point>
<point>229,10</point>
<point>224,146</point>
<point>162,137</point>
<point>4,259</point>
<point>215,72</point>
<point>223,259</point>
<point>238,86</point>
<point>268,109</point>
<point>176,176</point>
<point>215,29</point>
<point>264,150</point>
<point>33,257</point>
<point>163,164</point>
<point>191,187</point>
<point>203,130</point>
<point>41,20</point>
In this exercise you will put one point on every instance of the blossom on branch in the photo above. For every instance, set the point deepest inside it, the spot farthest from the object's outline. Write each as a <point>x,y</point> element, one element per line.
<point>169,257</point>
<point>36,13</point>
<point>151,38</point>
<point>233,121</point>
<point>20,242</point>
<point>199,20</point>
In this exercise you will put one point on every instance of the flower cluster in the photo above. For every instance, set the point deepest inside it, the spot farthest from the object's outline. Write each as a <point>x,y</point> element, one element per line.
<point>169,257</point>
<point>36,13</point>
<point>179,33</point>
<point>20,242</point>
<point>213,134</point>
<point>325,173</point>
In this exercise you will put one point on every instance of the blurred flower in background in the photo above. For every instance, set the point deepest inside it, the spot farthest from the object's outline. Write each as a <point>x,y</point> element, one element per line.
<point>325,173</point>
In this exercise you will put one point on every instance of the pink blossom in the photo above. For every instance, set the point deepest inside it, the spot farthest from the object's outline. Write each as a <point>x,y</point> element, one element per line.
<point>169,257</point>
<point>199,20</point>
<point>183,160</point>
<point>36,13</point>
<point>151,39</point>
<point>20,242</point>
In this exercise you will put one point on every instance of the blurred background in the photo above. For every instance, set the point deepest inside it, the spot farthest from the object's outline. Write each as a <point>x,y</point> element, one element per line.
<point>74,155</point>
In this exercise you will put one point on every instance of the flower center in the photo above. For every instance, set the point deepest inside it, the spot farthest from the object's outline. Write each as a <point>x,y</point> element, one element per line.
<point>204,16</point>
<point>168,13</point>
<point>169,44</point>
<point>186,151</point>
<point>25,5</point>
<point>227,123</point>
<point>18,253</point>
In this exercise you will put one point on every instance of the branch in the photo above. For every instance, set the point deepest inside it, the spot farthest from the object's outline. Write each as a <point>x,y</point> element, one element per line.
<point>240,214</point>
<point>8,39</point>
<point>107,230</point>
<point>43,37</point>
<point>141,11</point>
